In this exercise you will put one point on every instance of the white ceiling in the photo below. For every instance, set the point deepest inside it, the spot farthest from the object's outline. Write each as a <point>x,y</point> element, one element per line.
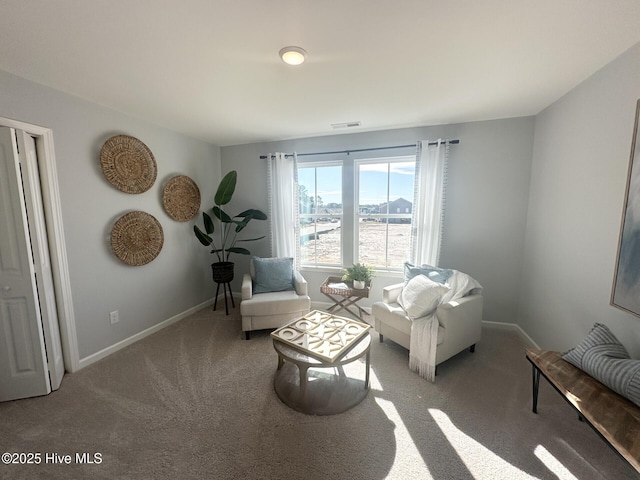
<point>210,68</point>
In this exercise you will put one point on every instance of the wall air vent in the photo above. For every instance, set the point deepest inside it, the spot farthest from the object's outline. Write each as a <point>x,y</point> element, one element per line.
<point>340,126</point>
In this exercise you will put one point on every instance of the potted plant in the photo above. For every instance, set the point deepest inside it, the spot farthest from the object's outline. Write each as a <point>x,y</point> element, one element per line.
<point>360,274</point>
<point>226,228</point>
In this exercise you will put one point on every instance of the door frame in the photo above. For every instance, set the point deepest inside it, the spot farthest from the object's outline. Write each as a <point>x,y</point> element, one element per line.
<point>55,238</point>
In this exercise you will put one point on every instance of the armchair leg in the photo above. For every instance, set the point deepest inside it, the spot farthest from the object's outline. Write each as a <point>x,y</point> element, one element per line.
<point>472,348</point>
<point>247,335</point>
<point>381,338</point>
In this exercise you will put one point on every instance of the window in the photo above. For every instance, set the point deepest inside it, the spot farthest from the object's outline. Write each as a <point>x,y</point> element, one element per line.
<point>356,211</point>
<point>385,190</point>
<point>360,209</point>
<point>320,214</point>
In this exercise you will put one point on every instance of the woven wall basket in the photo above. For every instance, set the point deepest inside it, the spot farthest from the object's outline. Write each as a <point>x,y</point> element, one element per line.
<point>128,164</point>
<point>137,238</point>
<point>181,198</point>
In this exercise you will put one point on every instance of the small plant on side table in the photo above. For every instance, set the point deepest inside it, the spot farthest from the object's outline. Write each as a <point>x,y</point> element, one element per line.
<point>360,274</point>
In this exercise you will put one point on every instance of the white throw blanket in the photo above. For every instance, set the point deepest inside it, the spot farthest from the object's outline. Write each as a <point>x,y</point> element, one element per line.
<point>422,348</point>
<point>424,330</point>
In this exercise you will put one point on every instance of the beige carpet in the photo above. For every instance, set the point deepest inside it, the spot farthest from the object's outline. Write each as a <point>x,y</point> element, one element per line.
<point>196,401</point>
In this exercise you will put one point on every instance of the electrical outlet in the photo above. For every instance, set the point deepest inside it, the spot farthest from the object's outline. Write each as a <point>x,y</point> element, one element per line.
<point>113,317</point>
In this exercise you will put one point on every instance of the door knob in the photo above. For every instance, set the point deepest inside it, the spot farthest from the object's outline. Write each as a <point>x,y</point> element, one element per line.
<point>6,289</point>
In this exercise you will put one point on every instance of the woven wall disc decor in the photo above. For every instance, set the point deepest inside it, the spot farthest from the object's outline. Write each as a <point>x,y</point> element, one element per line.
<point>128,164</point>
<point>181,198</point>
<point>137,238</point>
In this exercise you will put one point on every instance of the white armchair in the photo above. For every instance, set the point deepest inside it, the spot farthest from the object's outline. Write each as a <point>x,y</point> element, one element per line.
<point>272,309</point>
<point>459,322</point>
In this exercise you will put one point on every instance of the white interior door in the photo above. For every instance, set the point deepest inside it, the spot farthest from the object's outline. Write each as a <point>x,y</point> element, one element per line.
<point>42,261</point>
<point>24,370</point>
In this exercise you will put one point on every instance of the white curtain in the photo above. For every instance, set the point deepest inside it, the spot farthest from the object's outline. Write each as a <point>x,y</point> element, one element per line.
<point>429,200</point>
<point>283,206</point>
<point>427,223</point>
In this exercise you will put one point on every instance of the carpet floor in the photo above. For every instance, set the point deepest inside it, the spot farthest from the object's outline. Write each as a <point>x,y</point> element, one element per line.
<point>196,401</point>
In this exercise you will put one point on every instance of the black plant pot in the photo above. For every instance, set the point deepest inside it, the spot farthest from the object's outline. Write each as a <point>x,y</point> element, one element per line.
<point>222,272</point>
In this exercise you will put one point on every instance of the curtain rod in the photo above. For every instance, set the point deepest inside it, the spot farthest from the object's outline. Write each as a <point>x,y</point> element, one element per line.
<point>450,142</point>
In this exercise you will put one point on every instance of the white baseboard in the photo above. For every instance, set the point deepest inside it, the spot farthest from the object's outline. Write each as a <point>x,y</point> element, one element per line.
<point>506,326</point>
<point>86,361</point>
<point>514,327</point>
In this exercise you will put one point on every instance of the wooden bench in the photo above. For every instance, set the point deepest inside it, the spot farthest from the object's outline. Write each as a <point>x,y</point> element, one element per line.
<point>614,418</point>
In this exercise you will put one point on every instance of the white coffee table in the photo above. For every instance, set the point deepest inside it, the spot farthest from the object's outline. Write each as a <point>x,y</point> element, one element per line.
<point>307,348</point>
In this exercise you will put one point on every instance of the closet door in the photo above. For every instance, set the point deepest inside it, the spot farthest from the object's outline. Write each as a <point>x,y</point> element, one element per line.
<point>23,359</point>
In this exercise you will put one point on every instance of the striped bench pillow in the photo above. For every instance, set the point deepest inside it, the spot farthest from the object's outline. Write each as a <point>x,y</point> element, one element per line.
<point>603,357</point>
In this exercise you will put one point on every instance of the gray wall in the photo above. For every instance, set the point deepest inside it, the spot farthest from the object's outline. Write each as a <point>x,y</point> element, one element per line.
<point>489,174</point>
<point>541,235</point>
<point>179,278</point>
<point>579,172</point>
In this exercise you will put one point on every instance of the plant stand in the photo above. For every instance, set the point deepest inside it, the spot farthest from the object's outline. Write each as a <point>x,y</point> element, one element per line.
<point>215,302</point>
<point>223,274</point>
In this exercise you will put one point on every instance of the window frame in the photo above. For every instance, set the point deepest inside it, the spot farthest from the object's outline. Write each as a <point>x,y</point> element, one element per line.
<point>388,160</point>
<point>320,164</point>
<point>349,223</point>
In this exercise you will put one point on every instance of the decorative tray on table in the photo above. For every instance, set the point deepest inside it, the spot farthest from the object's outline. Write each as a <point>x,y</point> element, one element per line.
<point>321,335</point>
<point>336,286</point>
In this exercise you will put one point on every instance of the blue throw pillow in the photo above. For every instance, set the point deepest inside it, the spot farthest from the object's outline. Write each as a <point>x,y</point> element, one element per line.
<point>435,274</point>
<point>272,274</point>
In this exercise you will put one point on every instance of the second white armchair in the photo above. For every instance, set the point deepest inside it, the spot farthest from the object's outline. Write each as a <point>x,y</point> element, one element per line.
<point>434,320</point>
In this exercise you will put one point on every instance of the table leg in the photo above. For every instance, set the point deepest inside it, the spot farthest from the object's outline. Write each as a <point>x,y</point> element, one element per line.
<point>344,304</point>
<point>368,365</point>
<point>536,386</point>
<point>215,302</point>
<point>303,382</point>
<point>355,314</point>
<point>354,301</point>
<point>337,304</point>
<point>226,308</point>
<point>231,295</point>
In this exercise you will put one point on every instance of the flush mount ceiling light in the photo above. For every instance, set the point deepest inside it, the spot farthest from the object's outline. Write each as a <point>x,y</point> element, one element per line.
<point>293,55</point>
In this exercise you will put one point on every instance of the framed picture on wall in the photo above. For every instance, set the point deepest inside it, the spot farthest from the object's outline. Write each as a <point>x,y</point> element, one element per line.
<point>626,281</point>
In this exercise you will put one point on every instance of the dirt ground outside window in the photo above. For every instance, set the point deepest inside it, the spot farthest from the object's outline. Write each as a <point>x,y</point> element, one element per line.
<point>372,244</point>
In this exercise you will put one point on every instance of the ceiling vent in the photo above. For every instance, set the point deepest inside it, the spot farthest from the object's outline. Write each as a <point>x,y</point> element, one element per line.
<point>340,126</point>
